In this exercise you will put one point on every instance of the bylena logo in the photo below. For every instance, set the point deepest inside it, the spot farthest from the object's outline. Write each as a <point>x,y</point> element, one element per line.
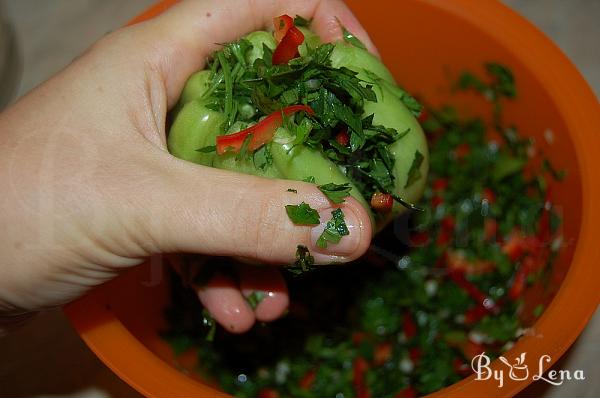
<point>520,371</point>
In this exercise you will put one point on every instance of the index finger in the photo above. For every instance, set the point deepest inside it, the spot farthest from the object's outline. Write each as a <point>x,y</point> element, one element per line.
<point>183,38</point>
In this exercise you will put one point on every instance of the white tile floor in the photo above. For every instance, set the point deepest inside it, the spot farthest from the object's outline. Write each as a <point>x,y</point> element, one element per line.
<point>47,359</point>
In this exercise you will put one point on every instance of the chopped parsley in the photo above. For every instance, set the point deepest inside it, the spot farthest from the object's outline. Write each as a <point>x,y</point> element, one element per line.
<point>302,214</point>
<point>302,22</point>
<point>304,261</point>
<point>414,173</point>
<point>292,190</point>
<point>207,149</point>
<point>334,231</point>
<point>255,298</point>
<point>309,179</point>
<point>336,192</point>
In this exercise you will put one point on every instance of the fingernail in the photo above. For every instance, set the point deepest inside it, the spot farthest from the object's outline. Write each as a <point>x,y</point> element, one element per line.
<point>347,245</point>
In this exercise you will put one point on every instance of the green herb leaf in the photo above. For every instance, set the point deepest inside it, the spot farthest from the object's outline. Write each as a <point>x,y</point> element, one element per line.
<point>302,214</point>
<point>262,157</point>
<point>207,149</point>
<point>309,179</point>
<point>209,322</point>
<point>255,298</point>
<point>292,190</point>
<point>350,38</point>
<point>304,261</point>
<point>336,192</point>
<point>302,22</point>
<point>414,173</point>
<point>334,231</point>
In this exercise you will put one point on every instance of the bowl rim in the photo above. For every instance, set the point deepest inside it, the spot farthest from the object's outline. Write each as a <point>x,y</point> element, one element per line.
<point>110,340</point>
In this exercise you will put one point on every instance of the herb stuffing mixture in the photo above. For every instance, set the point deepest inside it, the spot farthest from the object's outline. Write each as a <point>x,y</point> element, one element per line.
<point>436,288</point>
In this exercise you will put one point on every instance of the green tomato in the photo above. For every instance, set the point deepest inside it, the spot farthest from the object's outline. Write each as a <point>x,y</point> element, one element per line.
<point>195,127</point>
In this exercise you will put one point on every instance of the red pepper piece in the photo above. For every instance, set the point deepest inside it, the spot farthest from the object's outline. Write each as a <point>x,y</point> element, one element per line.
<point>408,392</point>
<point>475,313</point>
<point>440,184</point>
<point>382,202</point>
<point>287,49</point>
<point>419,239</point>
<point>307,381</point>
<point>461,368</point>
<point>423,116</point>
<point>343,138</point>
<point>488,195</point>
<point>462,151</point>
<point>518,284</point>
<point>359,368</point>
<point>282,24</point>
<point>262,132</point>
<point>436,201</point>
<point>415,354</point>
<point>471,349</point>
<point>458,277</point>
<point>490,229</point>
<point>382,353</point>
<point>409,326</point>
<point>268,393</point>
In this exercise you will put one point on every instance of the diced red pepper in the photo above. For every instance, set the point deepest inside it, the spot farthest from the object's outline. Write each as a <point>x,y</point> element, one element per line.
<point>382,202</point>
<point>287,49</point>
<point>359,337</point>
<point>307,381</point>
<point>262,132</point>
<point>448,223</point>
<point>359,368</point>
<point>436,201</point>
<point>490,229</point>
<point>408,392</point>
<point>513,247</point>
<point>409,326</point>
<point>518,283</point>
<point>443,238</point>
<point>475,313</point>
<point>488,195</point>
<point>415,354</point>
<point>382,353</point>
<point>343,138</point>
<point>458,277</point>
<point>282,24</point>
<point>268,393</point>
<point>440,184</point>
<point>458,263</point>
<point>462,150</point>
<point>419,239</point>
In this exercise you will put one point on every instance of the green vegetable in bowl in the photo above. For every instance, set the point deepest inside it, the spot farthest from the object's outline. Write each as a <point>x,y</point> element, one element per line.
<point>285,105</point>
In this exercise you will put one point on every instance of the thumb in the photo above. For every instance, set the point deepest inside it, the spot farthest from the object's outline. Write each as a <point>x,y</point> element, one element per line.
<point>204,210</point>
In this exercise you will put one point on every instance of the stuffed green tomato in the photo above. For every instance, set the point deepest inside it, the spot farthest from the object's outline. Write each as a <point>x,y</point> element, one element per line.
<point>284,105</point>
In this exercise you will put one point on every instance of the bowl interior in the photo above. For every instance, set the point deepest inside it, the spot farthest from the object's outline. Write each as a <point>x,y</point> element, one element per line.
<point>426,45</point>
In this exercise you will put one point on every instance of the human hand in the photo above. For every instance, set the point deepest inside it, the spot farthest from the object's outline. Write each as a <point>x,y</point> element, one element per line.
<point>89,188</point>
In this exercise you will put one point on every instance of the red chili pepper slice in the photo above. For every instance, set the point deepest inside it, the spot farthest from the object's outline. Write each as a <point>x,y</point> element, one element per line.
<point>262,132</point>
<point>359,368</point>
<point>282,24</point>
<point>408,392</point>
<point>480,298</point>
<point>343,138</point>
<point>307,381</point>
<point>287,49</point>
<point>409,326</point>
<point>518,284</point>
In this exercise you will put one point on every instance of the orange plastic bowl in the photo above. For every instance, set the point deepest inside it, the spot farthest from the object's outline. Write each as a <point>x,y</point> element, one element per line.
<point>425,43</point>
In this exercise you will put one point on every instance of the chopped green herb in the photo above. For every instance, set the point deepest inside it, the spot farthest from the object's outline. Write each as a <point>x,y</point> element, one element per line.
<point>302,22</point>
<point>304,261</point>
<point>334,231</point>
<point>292,190</point>
<point>309,179</point>
<point>414,173</point>
<point>207,149</point>
<point>538,310</point>
<point>302,214</point>
<point>336,192</point>
<point>255,298</point>
<point>209,322</point>
<point>350,38</point>
<point>244,149</point>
